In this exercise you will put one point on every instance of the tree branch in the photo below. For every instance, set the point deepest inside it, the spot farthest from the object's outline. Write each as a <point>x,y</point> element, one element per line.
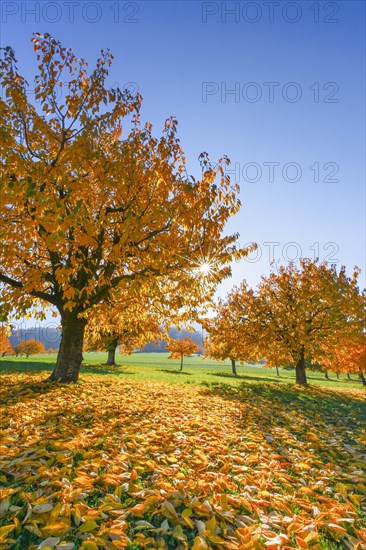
<point>35,293</point>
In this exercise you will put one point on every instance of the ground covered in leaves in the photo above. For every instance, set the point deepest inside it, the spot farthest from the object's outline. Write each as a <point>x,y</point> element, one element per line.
<point>110,464</point>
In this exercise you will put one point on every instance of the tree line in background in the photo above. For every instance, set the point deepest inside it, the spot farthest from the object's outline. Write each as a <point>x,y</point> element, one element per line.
<point>309,317</point>
<point>113,234</point>
<point>50,337</point>
<point>25,347</point>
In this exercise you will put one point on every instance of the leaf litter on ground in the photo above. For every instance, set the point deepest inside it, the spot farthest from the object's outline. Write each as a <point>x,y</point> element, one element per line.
<point>110,464</point>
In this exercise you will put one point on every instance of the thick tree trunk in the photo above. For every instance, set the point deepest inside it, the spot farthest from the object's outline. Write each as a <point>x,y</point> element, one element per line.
<point>233,367</point>
<point>300,371</point>
<point>337,373</point>
<point>363,379</point>
<point>70,354</point>
<point>348,376</point>
<point>181,362</point>
<point>277,371</point>
<point>326,375</point>
<point>111,361</point>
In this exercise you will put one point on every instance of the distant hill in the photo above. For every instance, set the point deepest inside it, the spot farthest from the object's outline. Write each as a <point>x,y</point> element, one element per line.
<point>177,335</point>
<point>51,337</point>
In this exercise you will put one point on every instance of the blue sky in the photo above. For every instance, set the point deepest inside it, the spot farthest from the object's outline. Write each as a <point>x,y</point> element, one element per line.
<point>185,57</point>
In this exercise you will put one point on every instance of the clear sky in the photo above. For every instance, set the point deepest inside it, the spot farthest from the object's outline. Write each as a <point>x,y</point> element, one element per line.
<point>277,86</point>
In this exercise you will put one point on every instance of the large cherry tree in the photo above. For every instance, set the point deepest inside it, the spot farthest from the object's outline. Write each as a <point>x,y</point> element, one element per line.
<point>92,204</point>
<point>297,313</point>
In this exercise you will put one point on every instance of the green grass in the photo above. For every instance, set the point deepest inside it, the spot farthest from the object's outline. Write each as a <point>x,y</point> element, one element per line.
<point>157,367</point>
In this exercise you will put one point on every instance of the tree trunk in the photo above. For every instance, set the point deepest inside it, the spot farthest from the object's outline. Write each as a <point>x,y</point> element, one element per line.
<point>181,362</point>
<point>337,373</point>
<point>363,380</point>
<point>70,354</point>
<point>111,361</point>
<point>326,375</point>
<point>278,372</point>
<point>300,371</point>
<point>348,376</point>
<point>233,367</point>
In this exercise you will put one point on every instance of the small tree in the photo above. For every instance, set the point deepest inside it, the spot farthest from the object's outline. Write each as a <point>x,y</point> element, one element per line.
<point>29,347</point>
<point>223,341</point>
<point>181,348</point>
<point>130,326</point>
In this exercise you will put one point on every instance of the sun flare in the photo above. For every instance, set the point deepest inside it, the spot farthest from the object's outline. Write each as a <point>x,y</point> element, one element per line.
<point>205,268</point>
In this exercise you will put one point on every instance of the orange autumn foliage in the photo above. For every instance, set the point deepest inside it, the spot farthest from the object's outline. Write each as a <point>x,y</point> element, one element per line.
<point>5,345</point>
<point>223,340</point>
<point>181,348</point>
<point>104,213</point>
<point>29,347</point>
<point>349,359</point>
<point>296,313</point>
<point>129,326</point>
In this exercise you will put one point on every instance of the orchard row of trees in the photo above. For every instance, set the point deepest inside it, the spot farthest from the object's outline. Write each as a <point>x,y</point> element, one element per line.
<point>100,221</point>
<point>303,317</point>
<point>127,339</point>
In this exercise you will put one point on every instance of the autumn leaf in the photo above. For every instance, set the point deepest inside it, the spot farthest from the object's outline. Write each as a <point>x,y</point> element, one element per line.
<point>228,488</point>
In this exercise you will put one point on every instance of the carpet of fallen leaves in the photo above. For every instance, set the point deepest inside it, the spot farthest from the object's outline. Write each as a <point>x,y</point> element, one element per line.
<point>110,464</point>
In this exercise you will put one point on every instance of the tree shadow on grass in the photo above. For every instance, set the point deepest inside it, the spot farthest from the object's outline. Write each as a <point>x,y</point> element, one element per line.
<point>344,408</point>
<point>293,416</point>
<point>43,366</point>
<point>25,366</point>
<point>104,369</point>
<point>340,380</point>
<point>176,372</point>
<point>251,377</point>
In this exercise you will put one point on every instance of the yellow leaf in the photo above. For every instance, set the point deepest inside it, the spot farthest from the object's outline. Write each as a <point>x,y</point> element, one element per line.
<point>57,528</point>
<point>311,536</point>
<point>215,539</point>
<point>199,544</point>
<point>178,533</point>
<point>211,525</point>
<point>89,545</point>
<point>5,530</point>
<point>88,526</point>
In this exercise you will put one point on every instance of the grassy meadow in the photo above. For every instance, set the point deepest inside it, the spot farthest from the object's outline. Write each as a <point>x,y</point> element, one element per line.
<point>157,367</point>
